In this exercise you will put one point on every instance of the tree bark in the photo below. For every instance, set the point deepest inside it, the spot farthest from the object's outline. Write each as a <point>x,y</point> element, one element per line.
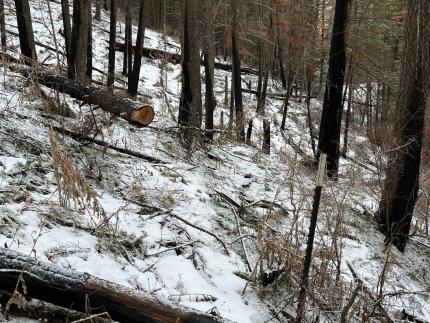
<point>190,108</point>
<point>331,119</point>
<point>67,28</point>
<point>25,28</point>
<point>89,65</point>
<point>209,59</point>
<point>2,26</point>
<point>79,51</point>
<point>400,192</point>
<point>133,111</point>
<point>76,290</point>
<point>133,78</point>
<point>112,41</point>
<point>237,80</point>
<point>266,136</point>
<point>127,57</point>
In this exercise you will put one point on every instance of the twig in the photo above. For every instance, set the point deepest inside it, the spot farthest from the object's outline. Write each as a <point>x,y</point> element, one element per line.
<point>245,253</point>
<point>347,307</point>
<point>201,229</point>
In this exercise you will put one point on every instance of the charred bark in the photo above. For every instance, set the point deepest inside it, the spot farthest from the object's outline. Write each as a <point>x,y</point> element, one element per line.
<point>77,291</point>
<point>2,26</point>
<point>400,192</point>
<point>112,41</point>
<point>25,29</point>
<point>331,119</point>
<point>133,78</point>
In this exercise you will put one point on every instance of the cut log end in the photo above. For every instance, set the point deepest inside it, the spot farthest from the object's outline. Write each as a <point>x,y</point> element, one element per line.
<point>142,116</point>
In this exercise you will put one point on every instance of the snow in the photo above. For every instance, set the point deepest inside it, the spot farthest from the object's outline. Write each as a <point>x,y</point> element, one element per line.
<point>187,185</point>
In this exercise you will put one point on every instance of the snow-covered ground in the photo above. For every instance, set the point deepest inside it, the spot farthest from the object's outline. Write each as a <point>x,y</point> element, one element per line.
<point>148,248</point>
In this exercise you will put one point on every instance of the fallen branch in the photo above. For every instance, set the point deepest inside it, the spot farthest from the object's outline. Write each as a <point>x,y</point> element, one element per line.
<point>201,229</point>
<point>175,58</point>
<point>81,137</point>
<point>80,291</point>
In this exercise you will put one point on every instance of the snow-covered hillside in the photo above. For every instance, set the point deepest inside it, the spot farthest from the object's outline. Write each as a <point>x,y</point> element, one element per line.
<point>142,241</point>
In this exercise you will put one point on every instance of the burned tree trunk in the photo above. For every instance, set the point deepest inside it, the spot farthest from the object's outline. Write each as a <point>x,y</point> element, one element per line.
<point>237,80</point>
<point>331,118</point>
<point>89,66</point>
<point>400,193</point>
<point>209,59</point>
<point>2,26</point>
<point>67,28</point>
<point>127,59</point>
<point>112,41</point>
<point>266,136</point>
<point>190,107</point>
<point>25,29</point>
<point>76,291</point>
<point>78,52</point>
<point>133,78</point>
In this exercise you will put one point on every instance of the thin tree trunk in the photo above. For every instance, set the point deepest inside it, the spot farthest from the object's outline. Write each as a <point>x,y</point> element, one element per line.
<point>133,78</point>
<point>25,29</point>
<point>209,59</point>
<point>331,119</point>
<point>112,41</point>
<point>127,39</point>
<point>266,136</point>
<point>89,66</point>
<point>54,36</point>
<point>400,192</point>
<point>347,118</point>
<point>67,28</point>
<point>97,16</point>
<point>237,80</point>
<point>2,26</point>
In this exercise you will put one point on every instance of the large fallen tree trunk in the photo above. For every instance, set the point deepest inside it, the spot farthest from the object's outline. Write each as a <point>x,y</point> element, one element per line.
<point>83,292</point>
<point>133,111</point>
<point>175,58</point>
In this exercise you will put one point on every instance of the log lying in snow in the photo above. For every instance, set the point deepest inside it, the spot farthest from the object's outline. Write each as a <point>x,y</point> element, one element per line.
<point>81,291</point>
<point>133,111</point>
<point>175,58</point>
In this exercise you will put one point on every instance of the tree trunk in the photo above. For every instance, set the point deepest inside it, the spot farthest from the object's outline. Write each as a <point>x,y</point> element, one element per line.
<point>331,119</point>
<point>133,78</point>
<point>112,42</point>
<point>127,39</point>
<point>237,81</point>
<point>397,205</point>
<point>79,50</point>
<point>67,28</point>
<point>25,28</point>
<point>76,291</point>
<point>135,112</point>
<point>97,16</point>
<point>347,119</point>
<point>2,26</point>
<point>89,66</point>
<point>266,136</point>
<point>209,59</point>
<point>190,108</point>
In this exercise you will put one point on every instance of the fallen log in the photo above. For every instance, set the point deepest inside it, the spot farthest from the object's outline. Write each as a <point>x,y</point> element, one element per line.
<point>135,112</point>
<point>82,138</point>
<point>83,292</point>
<point>175,58</point>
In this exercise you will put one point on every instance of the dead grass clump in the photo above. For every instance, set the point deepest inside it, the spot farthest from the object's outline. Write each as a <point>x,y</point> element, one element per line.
<point>72,186</point>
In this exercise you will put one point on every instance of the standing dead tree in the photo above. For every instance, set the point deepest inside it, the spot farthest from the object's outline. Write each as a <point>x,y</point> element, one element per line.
<point>112,40</point>
<point>398,200</point>
<point>25,29</point>
<point>331,118</point>
<point>79,51</point>
<point>190,106</point>
<point>237,80</point>
<point>2,26</point>
<point>133,77</point>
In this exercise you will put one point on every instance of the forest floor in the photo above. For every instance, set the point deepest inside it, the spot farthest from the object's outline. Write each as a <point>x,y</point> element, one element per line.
<point>230,189</point>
